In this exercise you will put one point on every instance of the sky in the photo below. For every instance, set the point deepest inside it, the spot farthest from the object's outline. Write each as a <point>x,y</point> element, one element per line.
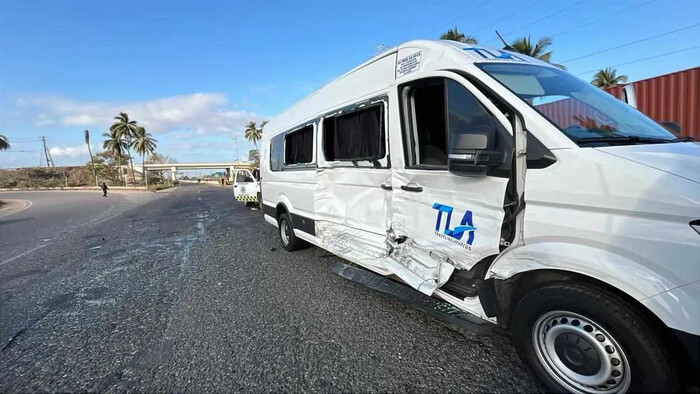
<point>195,72</point>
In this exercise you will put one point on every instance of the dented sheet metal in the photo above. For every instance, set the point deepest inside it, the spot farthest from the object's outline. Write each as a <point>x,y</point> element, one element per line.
<point>458,219</point>
<point>419,237</point>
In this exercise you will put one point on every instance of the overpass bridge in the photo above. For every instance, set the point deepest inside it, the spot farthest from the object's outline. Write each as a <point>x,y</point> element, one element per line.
<point>229,167</point>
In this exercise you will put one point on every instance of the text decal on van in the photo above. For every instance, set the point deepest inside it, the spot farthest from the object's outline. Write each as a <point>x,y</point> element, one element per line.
<point>408,64</point>
<point>455,235</point>
<point>495,54</point>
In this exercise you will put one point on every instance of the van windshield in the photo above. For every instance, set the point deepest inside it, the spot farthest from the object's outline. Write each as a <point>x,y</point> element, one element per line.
<point>585,113</point>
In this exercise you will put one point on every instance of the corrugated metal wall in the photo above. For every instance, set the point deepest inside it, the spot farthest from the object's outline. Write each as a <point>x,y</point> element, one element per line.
<point>672,97</point>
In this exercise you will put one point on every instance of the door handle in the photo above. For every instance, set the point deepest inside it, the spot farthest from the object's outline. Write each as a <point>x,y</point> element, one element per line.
<point>412,187</point>
<point>386,187</point>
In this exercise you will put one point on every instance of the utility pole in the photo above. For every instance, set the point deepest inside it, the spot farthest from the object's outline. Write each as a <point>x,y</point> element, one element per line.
<point>47,154</point>
<point>87,142</point>
<point>237,158</point>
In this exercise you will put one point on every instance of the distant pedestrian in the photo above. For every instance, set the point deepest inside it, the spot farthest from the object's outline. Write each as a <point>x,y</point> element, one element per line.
<point>104,189</point>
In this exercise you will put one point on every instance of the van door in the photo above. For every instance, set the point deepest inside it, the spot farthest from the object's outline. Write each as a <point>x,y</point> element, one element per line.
<point>245,186</point>
<point>352,197</point>
<point>440,220</point>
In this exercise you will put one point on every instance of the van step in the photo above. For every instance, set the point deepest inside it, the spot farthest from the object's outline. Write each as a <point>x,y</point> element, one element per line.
<point>440,309</point>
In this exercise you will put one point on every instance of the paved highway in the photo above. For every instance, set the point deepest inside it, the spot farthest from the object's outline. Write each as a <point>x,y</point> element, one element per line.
<point>191,292</point>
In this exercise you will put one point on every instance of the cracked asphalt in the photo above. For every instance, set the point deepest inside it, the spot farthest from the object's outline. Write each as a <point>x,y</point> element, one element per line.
<point>191,292</point>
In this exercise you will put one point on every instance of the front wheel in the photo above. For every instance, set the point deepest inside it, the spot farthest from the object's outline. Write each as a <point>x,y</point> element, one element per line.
<point>582,339</point>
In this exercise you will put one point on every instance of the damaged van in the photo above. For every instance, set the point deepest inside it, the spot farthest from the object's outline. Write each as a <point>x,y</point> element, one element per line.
<point>512,190</point>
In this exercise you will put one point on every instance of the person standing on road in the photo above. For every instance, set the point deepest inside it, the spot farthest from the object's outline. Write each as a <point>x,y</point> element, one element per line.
<point>104,189</point>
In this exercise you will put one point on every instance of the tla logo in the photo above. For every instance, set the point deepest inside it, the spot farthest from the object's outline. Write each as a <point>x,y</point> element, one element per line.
<point>455,235</point>
<point>488,54</point>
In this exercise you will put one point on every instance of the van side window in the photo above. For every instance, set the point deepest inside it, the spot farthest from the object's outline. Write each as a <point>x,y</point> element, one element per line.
<point>299,146</point>
<point>356,136</point>
<point>435,108</point>
<point>276,152</point>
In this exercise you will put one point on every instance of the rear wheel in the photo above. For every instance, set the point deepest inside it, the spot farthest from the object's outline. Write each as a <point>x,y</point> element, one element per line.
<point>290,242</point>
<point>582,339</point>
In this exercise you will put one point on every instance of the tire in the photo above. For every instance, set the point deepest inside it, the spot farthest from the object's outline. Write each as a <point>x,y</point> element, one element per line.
<point>564,328</point>
<point>289,240</point>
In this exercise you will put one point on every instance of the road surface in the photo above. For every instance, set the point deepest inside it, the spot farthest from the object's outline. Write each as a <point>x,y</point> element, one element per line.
<point>191,292</point>
<point>53,214</point>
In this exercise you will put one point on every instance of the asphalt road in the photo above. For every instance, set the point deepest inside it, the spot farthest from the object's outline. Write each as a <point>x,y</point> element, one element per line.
<point>191,292</point>
<point>53,214</point>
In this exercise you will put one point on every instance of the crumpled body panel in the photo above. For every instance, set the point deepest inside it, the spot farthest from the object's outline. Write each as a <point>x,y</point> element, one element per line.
<point>456,218</point>
<point>419,237</point>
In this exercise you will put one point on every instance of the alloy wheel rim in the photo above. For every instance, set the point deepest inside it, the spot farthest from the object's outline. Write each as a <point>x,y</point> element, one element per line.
<point>579,354</point>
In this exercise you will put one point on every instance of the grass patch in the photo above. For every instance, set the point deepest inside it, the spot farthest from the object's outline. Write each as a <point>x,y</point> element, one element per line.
<point>160,186</point>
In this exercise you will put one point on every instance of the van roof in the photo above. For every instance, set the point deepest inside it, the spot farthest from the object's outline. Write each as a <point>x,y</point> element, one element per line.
<point>442,53</point>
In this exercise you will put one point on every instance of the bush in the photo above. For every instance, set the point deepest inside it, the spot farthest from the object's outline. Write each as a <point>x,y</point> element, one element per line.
<point>160,186</point>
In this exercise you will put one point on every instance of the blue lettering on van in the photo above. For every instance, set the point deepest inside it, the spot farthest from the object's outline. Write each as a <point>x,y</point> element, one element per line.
<point>495,54</point>
<point>454,235</point>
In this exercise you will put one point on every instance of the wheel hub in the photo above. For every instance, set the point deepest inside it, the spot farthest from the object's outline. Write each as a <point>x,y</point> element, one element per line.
<point>284,232</point>
<point>579,354</point>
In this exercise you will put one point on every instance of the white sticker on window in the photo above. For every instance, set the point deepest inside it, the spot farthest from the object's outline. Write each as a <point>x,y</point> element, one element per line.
<point>408,64</point>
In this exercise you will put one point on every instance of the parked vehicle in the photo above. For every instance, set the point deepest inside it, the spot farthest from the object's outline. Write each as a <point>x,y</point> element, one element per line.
<point>436,163</point>
<point>246,186</point>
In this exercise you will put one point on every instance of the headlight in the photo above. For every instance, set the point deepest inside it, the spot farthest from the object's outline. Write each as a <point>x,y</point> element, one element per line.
<point>695,224</point>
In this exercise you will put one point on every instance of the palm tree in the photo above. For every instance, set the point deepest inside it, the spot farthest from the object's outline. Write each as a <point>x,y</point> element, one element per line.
<point>125,129</point>
<point>455,35</point>
<point>4,143</point>
<point>87,142</point>
<point>539,50</point>
<point>116,145</point>
<point>144,143</point>
<point>253,133</point>
<point>607,78</point>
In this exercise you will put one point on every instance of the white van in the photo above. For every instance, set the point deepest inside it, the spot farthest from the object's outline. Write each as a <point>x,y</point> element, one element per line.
<point>246,186</point>
<point>512,190</point>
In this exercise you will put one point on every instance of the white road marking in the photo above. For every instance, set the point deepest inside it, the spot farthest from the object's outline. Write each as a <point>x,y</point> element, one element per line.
<point>25,253</point>
<point>106,219</point>
<point>27,205</point>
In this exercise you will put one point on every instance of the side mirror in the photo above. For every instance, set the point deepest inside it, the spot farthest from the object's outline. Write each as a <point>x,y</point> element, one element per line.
<point>471,151</point>
<point>673,127</point>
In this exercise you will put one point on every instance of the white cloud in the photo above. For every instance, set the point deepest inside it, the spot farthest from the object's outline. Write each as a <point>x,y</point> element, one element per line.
<point>73,152</point>
<point>203,113</point>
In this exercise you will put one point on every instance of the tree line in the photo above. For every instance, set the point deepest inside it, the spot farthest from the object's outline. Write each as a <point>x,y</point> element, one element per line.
<point>605,78</point>
<point>124,135</point>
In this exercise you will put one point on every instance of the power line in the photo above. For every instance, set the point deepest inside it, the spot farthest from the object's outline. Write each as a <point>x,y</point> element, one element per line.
<point>23,138</point>
<point>470,10</point>
<point>14,141</point>
<point>506,17</point>
<point>544,17</point>
<point>600,19</point>
<point>644,58</point>
<point>631,43</point>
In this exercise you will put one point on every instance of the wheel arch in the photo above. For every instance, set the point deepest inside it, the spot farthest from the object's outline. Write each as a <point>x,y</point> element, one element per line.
<point>509,291</point>
<point>280,209</point>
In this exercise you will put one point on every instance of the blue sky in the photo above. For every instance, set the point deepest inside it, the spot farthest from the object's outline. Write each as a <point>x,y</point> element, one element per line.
<point>195,72</point>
